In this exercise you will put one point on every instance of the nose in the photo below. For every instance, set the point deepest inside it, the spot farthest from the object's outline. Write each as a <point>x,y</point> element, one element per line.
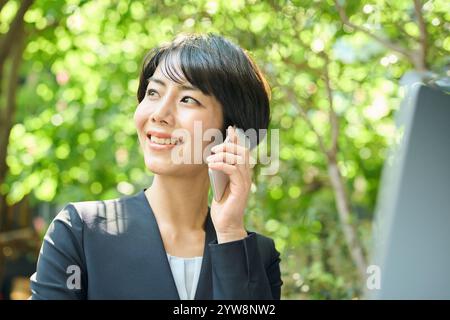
<point>163,112</point>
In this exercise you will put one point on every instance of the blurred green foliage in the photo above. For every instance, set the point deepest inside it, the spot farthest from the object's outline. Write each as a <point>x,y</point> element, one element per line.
<point>74,137</point>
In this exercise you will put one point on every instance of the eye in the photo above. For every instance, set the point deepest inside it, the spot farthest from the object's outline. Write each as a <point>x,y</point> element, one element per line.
<point>188,99</point>
<point>151,92</point>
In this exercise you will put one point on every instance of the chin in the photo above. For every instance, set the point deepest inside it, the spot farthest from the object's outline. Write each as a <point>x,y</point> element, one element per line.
<point>159,166</point>
<point>166,168</point>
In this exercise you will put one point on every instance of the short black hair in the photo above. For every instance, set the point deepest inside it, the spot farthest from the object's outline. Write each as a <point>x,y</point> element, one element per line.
<point>217,67</point>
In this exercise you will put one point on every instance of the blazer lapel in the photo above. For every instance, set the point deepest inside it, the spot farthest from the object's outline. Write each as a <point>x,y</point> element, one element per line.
<point>160,267</point>
<point>163,270</point>
<point>204,287</point>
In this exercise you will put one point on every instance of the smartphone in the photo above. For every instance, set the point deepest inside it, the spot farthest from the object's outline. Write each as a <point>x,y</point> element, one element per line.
<point>220,180</point>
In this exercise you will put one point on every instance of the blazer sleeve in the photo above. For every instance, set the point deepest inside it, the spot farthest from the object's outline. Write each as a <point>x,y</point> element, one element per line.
<point>239,271</point>
<point>60,271</point>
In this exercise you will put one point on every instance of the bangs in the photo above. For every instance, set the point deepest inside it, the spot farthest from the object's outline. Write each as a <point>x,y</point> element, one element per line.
<point>186,62</point>
<point>170,66</point>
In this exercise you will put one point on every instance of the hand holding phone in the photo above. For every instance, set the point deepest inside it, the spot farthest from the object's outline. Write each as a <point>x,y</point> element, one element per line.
<point>220,180</point>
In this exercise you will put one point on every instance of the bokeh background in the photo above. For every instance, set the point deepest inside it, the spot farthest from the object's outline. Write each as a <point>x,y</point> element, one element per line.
<point>69,74</point>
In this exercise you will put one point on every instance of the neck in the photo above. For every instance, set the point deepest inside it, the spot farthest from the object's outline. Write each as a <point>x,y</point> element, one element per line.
<point>180,203</point>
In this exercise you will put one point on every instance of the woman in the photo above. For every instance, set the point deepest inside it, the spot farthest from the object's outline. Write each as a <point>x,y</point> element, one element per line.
<point>165,242</point>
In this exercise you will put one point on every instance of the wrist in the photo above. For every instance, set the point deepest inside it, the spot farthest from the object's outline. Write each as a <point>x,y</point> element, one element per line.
<point>231,236</point>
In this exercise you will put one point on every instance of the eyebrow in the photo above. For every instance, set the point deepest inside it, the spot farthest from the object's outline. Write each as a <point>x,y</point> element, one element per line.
<point>182,86</point>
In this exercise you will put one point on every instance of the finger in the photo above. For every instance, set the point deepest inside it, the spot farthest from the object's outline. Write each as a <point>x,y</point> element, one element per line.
<point>233,159</point>
<point>230,147</point>
<point>238,176</point>
<point>229,169</point>
<point>236,149</point>
<point>226,157</point>
<point>234,137</point>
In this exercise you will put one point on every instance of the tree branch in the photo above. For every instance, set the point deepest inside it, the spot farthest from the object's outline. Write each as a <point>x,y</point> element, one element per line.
<point>2,4</point>
<point>423,38</point>
<point>344,213</point>
<point>11,35</point>
<point>398,24</point>
<point>301,110</point>
<point>386,42</point>
<point>343,205</point>
<point>301,66</point>
<point>7,116</point>
<point>37,32</point>
<point>332,113</point>
<point>337,181</point>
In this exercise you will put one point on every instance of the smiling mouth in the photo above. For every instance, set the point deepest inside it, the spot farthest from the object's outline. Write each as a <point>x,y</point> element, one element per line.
<point>164,141</point>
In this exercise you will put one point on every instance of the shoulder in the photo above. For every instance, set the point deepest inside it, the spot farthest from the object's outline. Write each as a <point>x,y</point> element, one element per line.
<point>89,213</point>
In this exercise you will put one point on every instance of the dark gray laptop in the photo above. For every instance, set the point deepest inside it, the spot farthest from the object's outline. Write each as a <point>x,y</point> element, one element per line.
<point>411,253</point>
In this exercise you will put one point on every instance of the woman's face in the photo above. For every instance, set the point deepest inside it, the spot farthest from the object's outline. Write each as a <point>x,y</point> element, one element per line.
<point>170,108</point>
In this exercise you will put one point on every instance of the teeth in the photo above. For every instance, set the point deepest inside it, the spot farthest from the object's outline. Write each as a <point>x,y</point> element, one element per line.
<point>164,141</point>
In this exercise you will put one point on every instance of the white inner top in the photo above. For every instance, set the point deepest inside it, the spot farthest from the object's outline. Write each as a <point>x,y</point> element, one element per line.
<point>186,272</point>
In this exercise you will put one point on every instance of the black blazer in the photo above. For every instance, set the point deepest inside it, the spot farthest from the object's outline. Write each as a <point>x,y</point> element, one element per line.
<point>118,250</point>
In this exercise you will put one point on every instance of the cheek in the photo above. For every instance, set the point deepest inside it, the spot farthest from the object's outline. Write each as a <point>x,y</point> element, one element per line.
<point>210,123</point>
<point>140,115</point>
<point>214,120</point>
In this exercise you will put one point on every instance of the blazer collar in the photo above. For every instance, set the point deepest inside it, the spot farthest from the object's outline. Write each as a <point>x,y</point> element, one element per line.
<point>204,287</point>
